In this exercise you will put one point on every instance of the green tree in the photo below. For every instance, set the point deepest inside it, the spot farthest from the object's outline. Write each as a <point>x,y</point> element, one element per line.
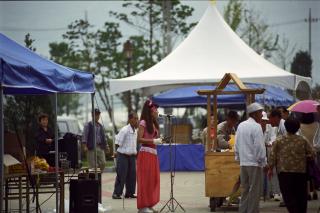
<point>233,14</point>
<point>63,54</point>
<point>249,26</point>
<point>93,51</point>
<point>302,64</point>
<point>109,61</point>
<point>140,63</point>
<point>28,42</point>
<point>157,22</point>
<point>147,17</point>
<point>81,41</point>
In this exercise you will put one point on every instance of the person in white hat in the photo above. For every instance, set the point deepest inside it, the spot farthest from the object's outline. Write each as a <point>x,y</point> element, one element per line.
<point>251,152</point>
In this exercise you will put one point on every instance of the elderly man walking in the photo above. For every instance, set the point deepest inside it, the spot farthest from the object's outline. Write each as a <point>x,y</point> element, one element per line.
<point>251,152</point>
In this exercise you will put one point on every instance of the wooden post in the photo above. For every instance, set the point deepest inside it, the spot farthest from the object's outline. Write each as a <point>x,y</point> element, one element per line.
<point>253,97</point>
<point>215,115</point>
<point>208,122</point>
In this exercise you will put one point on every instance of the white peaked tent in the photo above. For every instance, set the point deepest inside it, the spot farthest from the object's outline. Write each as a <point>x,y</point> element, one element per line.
<point>210,50</point>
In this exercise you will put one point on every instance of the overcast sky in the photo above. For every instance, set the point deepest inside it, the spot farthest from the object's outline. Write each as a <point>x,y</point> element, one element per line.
<point>47,20</point>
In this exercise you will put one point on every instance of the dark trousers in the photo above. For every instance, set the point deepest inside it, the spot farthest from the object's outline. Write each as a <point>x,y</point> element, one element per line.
<point>126,174</point>
<point>293,187</point>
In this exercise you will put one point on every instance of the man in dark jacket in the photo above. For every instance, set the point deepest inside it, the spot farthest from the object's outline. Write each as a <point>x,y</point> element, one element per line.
<point>101,143</point>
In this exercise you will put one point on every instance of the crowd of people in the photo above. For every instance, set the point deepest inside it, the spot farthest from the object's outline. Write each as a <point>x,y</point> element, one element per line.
<point>279,147</point>
<point>275,146</point>
<point>274,149</point>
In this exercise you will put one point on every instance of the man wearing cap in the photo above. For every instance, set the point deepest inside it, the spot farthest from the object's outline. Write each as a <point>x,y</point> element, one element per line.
<point>101,143</point>
<point>227,128</point>
<point>250,151</point>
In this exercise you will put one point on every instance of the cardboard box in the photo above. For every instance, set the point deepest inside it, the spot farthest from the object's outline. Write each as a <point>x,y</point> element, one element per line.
<point>12,165</point>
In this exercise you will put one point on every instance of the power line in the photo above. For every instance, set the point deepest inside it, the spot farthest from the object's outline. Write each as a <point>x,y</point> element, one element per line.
<point>21,29</point>
<point>287,23</point>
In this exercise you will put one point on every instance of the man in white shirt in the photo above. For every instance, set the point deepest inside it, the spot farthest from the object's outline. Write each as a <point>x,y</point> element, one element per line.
<point>269,133</point>
<point>284,115</point>
<point>250,151</point>
<point>276,120</point>
<point>126,143</point>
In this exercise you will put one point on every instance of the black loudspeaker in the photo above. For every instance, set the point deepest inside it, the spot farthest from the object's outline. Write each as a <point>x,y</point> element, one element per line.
<point>91,176</point>
<point>72,146</point>
<point>83,196</point>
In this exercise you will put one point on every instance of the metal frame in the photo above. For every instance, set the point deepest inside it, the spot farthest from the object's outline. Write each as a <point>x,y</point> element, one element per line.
<point>56,148</point>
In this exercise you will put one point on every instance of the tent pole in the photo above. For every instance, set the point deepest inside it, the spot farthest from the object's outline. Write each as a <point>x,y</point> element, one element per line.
<point>56,153</point>
<point>1,148</point>
<point>113,132</point>
<point>295,89</point>
<point>94,137</point>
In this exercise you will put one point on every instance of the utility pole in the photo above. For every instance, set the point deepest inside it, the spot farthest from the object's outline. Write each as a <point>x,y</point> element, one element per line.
<point>87,96</point>
<point>166,29</point>
<point>310,20</point>
<point>167,44</point>
<point>128,53</point>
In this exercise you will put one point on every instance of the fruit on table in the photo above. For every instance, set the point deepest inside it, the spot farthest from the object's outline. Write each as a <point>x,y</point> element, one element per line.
<point>39,163</point>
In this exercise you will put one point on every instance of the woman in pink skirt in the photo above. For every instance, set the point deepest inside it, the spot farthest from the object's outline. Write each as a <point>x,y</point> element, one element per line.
<point>148,172</point>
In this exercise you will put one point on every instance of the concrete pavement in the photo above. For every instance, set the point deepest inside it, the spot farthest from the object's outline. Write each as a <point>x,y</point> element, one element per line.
<point>188,191</point>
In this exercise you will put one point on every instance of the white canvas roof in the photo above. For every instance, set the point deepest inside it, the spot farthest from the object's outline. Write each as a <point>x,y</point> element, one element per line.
<point>211,50</point>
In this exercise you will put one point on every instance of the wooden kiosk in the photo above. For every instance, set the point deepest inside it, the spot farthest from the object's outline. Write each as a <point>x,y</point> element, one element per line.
<point>221,170</point>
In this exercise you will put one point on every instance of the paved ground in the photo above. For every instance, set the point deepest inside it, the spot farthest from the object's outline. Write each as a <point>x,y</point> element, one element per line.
<point>188,191</point>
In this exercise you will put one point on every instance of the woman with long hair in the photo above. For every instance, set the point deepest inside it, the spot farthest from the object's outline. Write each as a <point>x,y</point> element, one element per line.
<point>148,172</point>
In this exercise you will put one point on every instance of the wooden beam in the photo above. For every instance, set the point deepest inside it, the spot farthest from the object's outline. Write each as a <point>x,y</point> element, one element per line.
<point>237,81</point>
<point>208,122</point>
<point>224,81</point>
<point>215,115</point>
<point>221,92</point>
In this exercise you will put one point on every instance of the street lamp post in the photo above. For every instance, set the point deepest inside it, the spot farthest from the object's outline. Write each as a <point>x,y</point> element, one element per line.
<point>128,52</point>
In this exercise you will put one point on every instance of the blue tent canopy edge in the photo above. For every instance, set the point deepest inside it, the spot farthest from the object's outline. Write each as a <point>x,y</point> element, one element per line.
<point>188,96</point>
<point>22,71</point>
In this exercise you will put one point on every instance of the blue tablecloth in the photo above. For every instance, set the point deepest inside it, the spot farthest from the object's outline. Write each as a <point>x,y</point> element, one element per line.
<point>185,157</point>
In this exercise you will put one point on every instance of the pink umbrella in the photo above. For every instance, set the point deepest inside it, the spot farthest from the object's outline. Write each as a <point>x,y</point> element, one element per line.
<point>305,106</point>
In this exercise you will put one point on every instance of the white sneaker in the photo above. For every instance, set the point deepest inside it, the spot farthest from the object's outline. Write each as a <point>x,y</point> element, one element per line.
<point>277,197</point>
<point>145,210</point>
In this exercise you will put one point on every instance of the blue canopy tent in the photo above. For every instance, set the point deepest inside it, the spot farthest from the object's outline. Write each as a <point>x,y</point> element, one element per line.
<point>188,96</point>
<point>24,72</point>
